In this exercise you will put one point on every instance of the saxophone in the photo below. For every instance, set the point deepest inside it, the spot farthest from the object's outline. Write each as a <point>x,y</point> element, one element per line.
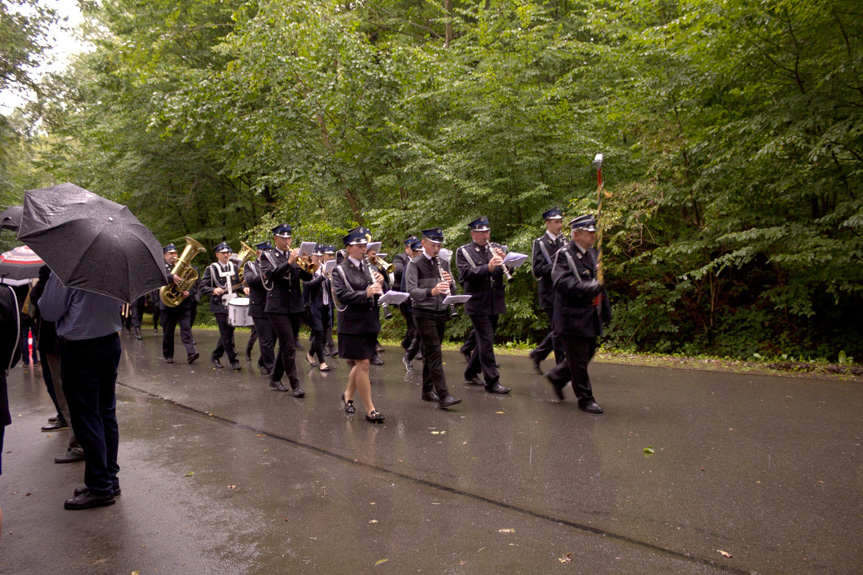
<point>172,294</point>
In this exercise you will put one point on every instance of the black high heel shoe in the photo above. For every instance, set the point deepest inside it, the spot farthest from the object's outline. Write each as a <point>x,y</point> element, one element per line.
<point>375,417</point>
<point>349,405</point>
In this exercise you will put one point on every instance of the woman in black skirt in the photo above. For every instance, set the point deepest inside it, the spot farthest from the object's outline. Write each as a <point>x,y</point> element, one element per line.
<point>355,289</point>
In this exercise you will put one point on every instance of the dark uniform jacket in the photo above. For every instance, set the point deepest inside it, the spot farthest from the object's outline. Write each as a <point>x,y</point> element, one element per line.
<point>485,287</point>
<point>421,276</point>
<point>10,352</point>
<point>575,312</point>
<point>357,313</point>
<point>282,279</point>
<point>313,294</point>
<point>257,291</point>
<point>542,268</point>
<point>185,304</point>
<point>212,280</point>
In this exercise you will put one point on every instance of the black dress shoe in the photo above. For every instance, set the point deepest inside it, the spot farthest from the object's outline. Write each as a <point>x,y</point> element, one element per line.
<point>264,371</point>
<point>169,360</point>
<point>558,390</point>
<point>475,380</point>
<point>419,356</point>
<point>298,345</point>
<point>349,405</point>
<point>88,500</point>
<point>591,407</point>
<point>448,400</point>
<point>407,363</point>
<point>248,357</point>
<point>59,424</point>
<point>375,417</point>
<point>311,360</point>
<point>138,333</point>
<point>71,456</point>
<point>379,348</point>
<point>155,330</point>
<point>497,388</point>
<point>53,419</point>
<point>236,365</point>
<point>298,391</point>
<point>277,386</point>
<point>377,360</point>
<point>192,357</point>
<point>217,362</point>
<point>430,396</point>
<point>85,489</point>
<point>536,361</point>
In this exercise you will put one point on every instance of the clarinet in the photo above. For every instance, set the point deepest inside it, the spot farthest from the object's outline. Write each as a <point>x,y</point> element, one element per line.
<point>499,251</point>
<point>440,272</point>
<point>388,314</point>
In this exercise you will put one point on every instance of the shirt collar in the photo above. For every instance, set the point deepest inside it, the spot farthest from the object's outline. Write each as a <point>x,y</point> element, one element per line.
<point>428,257</point>
<point>357,263</point>
<point>551,235</point>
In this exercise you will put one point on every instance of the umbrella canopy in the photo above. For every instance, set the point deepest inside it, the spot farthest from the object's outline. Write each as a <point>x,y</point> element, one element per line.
<point>10,218</point>
<point>92,243</point>
<point>20,263</point>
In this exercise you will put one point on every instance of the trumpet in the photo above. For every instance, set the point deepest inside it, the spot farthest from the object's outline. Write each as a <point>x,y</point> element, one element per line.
<point>500,251</point>
<point>307,265</point>
<point>444,276</point>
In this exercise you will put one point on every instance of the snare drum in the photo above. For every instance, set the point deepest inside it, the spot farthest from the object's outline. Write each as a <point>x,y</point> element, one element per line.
<point>238,312</point>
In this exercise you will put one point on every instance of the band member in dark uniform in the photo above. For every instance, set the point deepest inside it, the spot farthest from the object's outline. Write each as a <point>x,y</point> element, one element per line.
<point>410,342</point>
<point>355,287</point>
<point>137,314</point>
<point>316,294</point>
<point>284,307</point>
<point>544,248</point>
<point>481,274</point>
<point>171,316</point>
<point>257,301</point>
<point>428,280</point>
<point>221,277</point>
<point>581,308</point>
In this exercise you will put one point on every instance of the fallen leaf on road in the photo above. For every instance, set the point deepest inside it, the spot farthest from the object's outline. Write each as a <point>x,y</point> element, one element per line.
<point>373,521</point>
<point>190,473</point>
<point>500,412</point>
<point>648,450</point>
<point>506,530</point>
<point>725,554</point>
<point>379,561</point>
<point>232,486</point>
<point>566,558</point>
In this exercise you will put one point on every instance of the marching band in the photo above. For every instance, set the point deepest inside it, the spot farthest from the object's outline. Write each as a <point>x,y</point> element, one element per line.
<point>349,288</point>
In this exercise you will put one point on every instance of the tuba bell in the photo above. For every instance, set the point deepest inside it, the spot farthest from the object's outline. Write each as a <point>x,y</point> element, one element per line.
<point>172,294</point>
<point>246,254</point>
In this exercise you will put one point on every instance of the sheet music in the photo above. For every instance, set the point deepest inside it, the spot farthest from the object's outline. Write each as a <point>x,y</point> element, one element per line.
<point>393,297</point>
<point>307,248</point>
<point>514,259</point>
<point>329,266</point>
<point>456,299</point>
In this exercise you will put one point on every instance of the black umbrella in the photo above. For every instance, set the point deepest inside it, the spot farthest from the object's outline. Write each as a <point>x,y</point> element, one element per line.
<point>92,243</point>
<point>10,218</point>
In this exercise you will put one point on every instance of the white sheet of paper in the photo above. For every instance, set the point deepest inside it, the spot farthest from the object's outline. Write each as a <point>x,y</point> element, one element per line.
<point>307,248</point>
<point>514,259</point>
<point>329,266</point>
<point>455,299</point>
<point>393,297</point>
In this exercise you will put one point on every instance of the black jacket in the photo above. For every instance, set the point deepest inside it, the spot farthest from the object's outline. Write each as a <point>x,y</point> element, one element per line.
<point>542,268</point>
<point>313,294</point>
<point>421,276</point>
<point>186,303</point>
<point>485,287</point>
<point>575,312</point>
<point>357,313</point>
<point>212,279</point>
<point>257,291</point>
<point>282,279</point>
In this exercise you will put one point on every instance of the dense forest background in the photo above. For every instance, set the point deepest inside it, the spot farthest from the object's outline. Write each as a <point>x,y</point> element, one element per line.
<point>732,133</point>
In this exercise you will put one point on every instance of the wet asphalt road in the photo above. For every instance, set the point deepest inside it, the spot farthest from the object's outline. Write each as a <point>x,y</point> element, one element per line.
<point>220,475</point>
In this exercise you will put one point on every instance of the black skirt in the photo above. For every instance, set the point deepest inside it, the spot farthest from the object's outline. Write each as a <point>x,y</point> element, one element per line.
<point>357,345</point>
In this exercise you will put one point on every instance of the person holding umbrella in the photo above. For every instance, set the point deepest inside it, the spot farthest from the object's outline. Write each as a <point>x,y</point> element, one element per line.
<point>88,324</point>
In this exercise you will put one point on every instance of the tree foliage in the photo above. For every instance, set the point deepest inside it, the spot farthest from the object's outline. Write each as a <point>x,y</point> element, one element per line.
<point>732,132</point>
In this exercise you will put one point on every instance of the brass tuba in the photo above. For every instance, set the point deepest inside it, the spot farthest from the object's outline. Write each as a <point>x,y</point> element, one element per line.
<point>172,294</point>
<point>246,254</point>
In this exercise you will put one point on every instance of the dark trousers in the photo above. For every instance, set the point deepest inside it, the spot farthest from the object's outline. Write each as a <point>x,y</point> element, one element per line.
<point>411,333</point>
<point>579,352</point>
<point>170,318</point>
<point>316,341</point>
<point>253,337</point>
<point>549,343</point>
<point>430,328</point>
<point>226,338</point>
<point>283,328</point>
<point>89,373</point>
<point>266,343</point>
<point>416,343</point>
<point>482,358</point>
<point>138,310</point>
<point>469,343</point>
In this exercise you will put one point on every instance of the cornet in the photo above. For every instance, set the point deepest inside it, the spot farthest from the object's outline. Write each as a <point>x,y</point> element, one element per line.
<point>500,251</point>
